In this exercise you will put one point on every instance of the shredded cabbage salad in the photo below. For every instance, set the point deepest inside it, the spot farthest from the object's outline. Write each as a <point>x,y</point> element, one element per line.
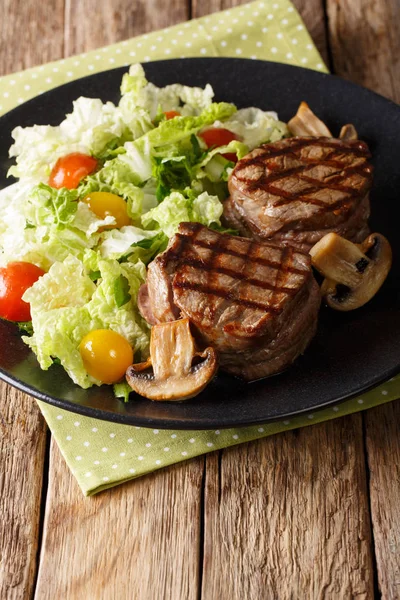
<point>162,169</point>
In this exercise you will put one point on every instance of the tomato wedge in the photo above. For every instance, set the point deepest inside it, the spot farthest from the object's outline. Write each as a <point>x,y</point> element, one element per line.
<point>70,169</point>
<point>219,136</point>
<point>170,114</point>
<point>15,279</point>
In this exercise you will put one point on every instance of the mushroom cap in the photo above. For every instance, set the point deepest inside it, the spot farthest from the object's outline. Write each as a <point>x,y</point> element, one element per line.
<point>353,272</point>
<point>175,370</point>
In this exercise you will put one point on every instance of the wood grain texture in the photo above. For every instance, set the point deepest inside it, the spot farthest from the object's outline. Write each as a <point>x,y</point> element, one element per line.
<point>31,33</point>
<point>287,517</point>
<point>22,450</point>
<point>95,23</point>
<point>140,540</point>
<point>365,41</point>
<point>137,541</point>
<point>200,8</point>
<point>382,427</point>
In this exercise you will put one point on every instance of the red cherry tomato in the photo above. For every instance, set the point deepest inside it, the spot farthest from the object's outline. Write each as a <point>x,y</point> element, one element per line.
<point>15,279</point>
<point>230,156</point>
<point>170,114</point>
<point>70,169</point>
<point>218,136</point>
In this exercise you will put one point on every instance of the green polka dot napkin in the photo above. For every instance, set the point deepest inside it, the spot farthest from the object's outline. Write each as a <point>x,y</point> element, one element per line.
<point>269,30</point>
<point>102,454</point>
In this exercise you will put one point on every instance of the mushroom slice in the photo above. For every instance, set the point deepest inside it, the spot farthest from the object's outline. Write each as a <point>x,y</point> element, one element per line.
<point>348,133</point>
<point>305,122</point>
<point>174,371</point>
<point>354,272</point>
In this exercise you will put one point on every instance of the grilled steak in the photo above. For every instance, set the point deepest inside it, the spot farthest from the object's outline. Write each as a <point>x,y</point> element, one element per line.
<point>298,189</point>
<point>255,303</point>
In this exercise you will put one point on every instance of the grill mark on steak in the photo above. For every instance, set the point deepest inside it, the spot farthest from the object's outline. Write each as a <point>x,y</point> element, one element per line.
<point>334,183</point>
<point>222,284</point>
<point>213,269</point>
<point>356,147</point>
<point>219,270</point>
<point>227,295</point>
<point>282,273</point>
<point>317,185</point>
<point>217,247</point>
<point>218,253</point>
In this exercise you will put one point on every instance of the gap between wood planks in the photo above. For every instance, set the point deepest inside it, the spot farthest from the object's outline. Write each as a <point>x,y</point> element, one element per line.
<point>43,502</point>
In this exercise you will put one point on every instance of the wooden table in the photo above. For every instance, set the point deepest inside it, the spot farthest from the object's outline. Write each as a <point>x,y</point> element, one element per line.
<point>306,514</point>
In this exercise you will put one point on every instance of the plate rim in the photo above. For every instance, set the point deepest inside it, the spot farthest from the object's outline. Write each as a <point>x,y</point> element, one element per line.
<point>204,59</point>
<point>132,420</point>
<point>196,423</point>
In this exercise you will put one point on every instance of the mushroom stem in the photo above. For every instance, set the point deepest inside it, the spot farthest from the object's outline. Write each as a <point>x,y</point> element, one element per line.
<point>170,373</point>
<point>305,122</point>
<point>348,132</point>
<point>339,259</point>
<point>171,349</point>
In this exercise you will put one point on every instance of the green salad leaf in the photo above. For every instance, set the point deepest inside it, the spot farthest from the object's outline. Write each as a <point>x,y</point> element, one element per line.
<point>177,208</point>
<point>121,291</point>
<point>163,170</point>
<point>255,127</point>
<point>138,92</point>
<point>59,224</point>
<point>66,305</point>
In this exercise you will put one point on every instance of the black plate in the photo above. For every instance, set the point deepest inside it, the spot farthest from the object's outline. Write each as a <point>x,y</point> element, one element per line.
<point>351,353</point>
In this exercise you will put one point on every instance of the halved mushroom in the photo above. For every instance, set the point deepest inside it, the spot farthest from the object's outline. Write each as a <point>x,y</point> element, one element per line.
<point>175,370</point>
<point>305,122</point>
<point>354,272</point>
<point>348,133</point>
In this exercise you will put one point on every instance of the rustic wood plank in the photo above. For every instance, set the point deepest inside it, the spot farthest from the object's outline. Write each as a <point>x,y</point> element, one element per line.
<point>382,427</point>
<point>311,12</point>
<point>30,34</point>
<point>200,8</point>
<point>117,20</point>
<point>22,451</point>
<point>140,540</point>
<point>299,525</point>
<point>370,55</point>
<point>365,41</point>
<point>287,517</point>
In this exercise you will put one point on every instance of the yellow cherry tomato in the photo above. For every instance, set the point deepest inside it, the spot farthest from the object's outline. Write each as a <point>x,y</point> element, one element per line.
<point>105,204</point>
<point>106,355</point>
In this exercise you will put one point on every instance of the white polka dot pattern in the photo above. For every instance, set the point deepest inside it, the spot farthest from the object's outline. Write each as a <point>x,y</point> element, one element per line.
<point>103,454</point>
<point>236,32</point>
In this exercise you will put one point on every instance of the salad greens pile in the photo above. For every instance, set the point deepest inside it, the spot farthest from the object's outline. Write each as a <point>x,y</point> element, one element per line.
<point>165,173</point>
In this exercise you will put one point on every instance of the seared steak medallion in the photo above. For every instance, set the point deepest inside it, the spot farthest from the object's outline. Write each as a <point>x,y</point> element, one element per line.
<point>255,303</point>
<point>298,189</point>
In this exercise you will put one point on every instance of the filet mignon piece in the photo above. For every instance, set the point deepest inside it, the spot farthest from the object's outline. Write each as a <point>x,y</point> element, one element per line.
<point>255,303</point>
<point>298,189</point>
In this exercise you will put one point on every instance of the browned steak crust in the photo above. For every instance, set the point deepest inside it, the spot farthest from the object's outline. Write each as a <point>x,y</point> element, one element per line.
<point>256,303</point>
<point>298,189</point>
